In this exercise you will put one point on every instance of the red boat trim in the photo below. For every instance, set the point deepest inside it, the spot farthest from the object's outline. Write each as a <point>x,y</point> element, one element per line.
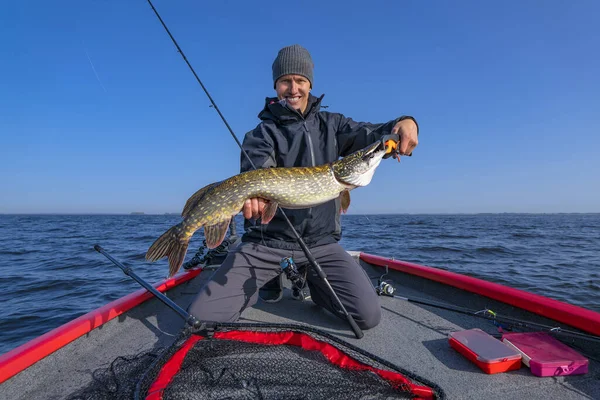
<point>170,369</point>
<point>22,357</point>
<point>578,317</point>
<point>334,355</point>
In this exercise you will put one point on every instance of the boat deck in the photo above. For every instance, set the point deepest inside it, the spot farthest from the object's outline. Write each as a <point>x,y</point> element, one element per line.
<point>411,336</point>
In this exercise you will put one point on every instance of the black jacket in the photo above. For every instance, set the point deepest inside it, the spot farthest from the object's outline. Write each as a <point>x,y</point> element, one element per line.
<point>286,138</point>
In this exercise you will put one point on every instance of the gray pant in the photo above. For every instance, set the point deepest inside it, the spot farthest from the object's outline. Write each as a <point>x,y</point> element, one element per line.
<point>234,286</point>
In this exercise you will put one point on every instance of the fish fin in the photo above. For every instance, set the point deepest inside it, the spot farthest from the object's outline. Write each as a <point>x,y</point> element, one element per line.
<point>214,234</point>
<point>345,201</point>
<point>268,212</point>
<point>195,198</point>
<point>170,244</point>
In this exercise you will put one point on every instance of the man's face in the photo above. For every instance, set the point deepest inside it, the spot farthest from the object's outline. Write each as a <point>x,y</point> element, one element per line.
<point>294,89</point>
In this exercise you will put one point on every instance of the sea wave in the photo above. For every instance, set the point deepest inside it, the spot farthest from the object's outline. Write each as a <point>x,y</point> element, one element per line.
<point>455,236</point>
<point>434,249</point>
<point>494,250</point>
<point>526,235</point>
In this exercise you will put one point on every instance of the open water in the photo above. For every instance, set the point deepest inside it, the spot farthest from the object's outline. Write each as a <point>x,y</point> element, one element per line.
<point>50,274</point>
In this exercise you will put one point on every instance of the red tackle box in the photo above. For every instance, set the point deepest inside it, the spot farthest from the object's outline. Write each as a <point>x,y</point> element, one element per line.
<point>487,352</point>
<point>545,355</point>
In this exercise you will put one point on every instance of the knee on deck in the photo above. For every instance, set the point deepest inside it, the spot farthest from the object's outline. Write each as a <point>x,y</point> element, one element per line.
<point>368,317</point>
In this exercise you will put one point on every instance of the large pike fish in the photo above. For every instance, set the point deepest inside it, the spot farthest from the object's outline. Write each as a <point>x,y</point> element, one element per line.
<point>213,206</point>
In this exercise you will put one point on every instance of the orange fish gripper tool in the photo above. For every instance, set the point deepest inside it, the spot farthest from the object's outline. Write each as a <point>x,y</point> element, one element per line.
<point>392,144</point>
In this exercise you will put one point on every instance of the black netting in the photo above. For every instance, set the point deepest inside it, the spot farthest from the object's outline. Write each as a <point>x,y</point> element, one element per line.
<point>118,381</point>
<point>231,369</point>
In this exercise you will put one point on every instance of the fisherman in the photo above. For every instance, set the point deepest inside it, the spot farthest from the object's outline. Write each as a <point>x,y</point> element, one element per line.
<point>294,132</point>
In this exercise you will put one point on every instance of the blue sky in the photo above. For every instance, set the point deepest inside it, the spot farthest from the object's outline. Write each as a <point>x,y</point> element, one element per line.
<point>99,113</point>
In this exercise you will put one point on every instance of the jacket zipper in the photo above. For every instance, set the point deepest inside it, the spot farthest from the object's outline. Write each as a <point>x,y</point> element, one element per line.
<point>310,144</point>
<point>312,159</point>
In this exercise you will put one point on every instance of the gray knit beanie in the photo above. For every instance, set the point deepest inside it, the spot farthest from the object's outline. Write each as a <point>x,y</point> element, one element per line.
<point>295,60</point>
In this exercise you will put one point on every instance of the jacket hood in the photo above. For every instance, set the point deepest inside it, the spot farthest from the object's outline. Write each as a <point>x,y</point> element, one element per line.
<point>278,111</point>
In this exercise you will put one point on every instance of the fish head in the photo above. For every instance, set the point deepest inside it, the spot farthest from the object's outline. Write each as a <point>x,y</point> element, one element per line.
<point>357,169</point>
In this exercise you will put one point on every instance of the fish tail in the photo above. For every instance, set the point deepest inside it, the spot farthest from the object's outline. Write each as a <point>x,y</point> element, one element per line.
<point>172,244</point>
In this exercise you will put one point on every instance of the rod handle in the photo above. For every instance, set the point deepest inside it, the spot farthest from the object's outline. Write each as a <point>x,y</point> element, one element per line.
<point>357,331</point>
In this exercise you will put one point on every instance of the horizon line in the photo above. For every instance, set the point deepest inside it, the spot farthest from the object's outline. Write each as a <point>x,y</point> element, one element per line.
<point>348,214</point>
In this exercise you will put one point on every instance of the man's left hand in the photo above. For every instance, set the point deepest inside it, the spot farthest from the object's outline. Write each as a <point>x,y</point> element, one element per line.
<point>408,132</point>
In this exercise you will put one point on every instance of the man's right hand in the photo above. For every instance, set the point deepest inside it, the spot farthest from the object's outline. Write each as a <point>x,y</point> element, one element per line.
<point>253,208</point>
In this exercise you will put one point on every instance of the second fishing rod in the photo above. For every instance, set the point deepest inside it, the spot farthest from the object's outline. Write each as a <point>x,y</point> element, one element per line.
<point>311,259</point>
<point>385,288</point>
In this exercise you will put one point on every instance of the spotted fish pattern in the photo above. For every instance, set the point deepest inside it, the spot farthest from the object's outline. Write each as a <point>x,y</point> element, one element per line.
<point>213,206</point>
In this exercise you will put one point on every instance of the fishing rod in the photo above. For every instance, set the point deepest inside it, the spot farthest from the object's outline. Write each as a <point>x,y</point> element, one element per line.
<point>311,259</point>
<point>384,288</point>
<point>187,317</point>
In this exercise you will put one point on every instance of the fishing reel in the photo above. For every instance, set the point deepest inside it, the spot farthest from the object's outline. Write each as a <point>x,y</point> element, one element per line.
<point>298,279</point>
<point>384,288</point>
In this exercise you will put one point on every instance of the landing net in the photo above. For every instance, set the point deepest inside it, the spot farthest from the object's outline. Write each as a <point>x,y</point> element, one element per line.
<point>258,361</point>
<point>274,362</point>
